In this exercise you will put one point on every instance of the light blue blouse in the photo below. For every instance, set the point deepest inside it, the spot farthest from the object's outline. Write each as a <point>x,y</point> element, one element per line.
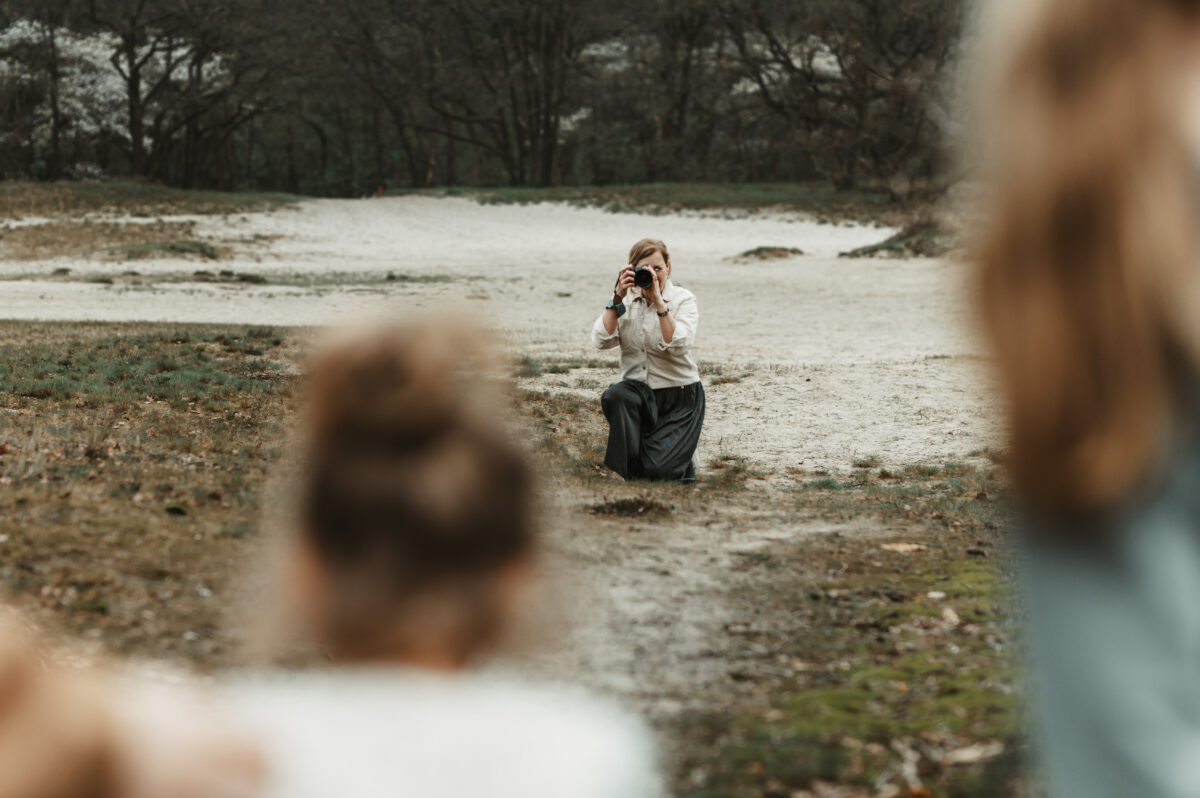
<point>1113,623</point>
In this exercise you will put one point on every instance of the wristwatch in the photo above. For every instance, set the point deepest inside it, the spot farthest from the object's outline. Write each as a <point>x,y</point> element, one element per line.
<point>617,305</point>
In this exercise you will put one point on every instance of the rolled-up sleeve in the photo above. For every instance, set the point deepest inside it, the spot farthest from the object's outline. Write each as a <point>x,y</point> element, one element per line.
<point>602,338</point>
<point>687,316</point>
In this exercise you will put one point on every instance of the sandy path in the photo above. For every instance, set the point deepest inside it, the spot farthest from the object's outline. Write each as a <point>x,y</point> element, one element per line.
<point>651,621</point>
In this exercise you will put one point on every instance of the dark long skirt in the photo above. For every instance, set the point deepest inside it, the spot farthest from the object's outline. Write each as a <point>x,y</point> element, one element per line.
<point>652,433</point>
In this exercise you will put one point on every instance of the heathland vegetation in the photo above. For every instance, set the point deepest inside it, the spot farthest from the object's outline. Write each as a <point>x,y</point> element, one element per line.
<point>135,461</point>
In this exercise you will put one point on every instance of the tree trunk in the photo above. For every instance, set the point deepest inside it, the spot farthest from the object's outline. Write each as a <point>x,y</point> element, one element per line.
<point>450,171</point>
<point>293,174</point>
<point>137,125</point>
<point>56,160</point>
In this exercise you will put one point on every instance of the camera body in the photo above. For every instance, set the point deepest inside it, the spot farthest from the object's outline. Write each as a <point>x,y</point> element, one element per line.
<point>643,276</point>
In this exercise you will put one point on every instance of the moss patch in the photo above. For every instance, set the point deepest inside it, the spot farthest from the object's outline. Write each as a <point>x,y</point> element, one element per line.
<point>921,239</point>
<point>885,663</point>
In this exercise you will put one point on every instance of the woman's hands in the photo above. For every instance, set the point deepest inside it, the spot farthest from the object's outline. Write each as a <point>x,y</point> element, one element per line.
<point>657,287</point>
<point>624,282</point>
<point>653,293</point>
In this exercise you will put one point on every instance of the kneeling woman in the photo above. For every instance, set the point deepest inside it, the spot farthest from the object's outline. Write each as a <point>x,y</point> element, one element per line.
<point>655,412</point>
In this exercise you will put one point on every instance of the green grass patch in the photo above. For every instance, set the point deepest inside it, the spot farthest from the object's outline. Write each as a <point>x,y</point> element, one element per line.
<point>133,459</point>
<point>528,367</point>
<point>950,495</point>
<point>204,370</point>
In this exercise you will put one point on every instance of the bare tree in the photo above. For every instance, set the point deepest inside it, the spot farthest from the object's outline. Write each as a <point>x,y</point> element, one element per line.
<point>147,50</point>
<point>341,96</point>
<point>854,76</point>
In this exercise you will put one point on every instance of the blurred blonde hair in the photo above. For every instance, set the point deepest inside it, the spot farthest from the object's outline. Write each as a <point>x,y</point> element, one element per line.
<point>1087,257</point>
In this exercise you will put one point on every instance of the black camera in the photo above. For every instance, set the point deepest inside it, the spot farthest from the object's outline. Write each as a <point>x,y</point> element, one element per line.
<point>643,276</point>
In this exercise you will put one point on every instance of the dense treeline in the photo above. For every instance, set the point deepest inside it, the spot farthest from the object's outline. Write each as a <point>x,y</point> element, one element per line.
<point>340,97</point>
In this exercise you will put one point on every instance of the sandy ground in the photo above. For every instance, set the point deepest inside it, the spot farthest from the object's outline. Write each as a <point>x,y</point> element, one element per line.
<point>844,358</point>
<point>825,360</point>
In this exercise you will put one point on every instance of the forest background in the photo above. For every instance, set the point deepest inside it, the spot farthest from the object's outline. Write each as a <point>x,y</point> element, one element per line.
<point>347,97</point>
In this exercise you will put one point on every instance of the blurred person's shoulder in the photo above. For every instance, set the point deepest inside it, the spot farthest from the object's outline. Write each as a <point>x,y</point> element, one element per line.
<point>378,731</point>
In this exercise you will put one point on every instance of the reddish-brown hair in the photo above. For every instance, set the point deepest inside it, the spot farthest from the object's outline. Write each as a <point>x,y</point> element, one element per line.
<point>1087,260</point>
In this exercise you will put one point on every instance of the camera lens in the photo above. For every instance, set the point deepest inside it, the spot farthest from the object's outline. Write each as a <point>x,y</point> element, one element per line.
<point>642,277</point>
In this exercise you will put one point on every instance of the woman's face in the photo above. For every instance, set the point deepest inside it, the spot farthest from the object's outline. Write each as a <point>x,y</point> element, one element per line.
<point>662,269</point>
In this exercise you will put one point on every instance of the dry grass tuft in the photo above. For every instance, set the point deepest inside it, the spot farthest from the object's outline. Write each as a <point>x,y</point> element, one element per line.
<point>69,198</point>
<point>109,240</point>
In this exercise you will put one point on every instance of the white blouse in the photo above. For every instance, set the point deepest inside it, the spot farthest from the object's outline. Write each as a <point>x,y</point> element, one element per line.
<point>645,357</point>
<point>401,732</point>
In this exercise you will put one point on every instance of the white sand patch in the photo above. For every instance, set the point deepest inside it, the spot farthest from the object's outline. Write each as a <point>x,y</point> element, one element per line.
<point>425,235</point>
<point>843,357</point>
<point>27,221</point>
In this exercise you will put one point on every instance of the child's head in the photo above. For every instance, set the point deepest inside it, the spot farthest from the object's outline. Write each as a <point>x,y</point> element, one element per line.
<point>414,508</point>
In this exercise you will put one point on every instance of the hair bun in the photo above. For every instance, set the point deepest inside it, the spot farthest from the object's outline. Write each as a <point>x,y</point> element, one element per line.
<point>396,387</point>
<point>411,488</point>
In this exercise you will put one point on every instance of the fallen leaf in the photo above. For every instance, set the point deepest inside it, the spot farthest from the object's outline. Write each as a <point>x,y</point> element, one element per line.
<point>903,548</point>
<point>973,753</point>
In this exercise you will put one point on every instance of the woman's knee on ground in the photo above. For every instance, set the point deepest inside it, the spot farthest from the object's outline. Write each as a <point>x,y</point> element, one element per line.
<point>659,472</point>
<point>620,395</point>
